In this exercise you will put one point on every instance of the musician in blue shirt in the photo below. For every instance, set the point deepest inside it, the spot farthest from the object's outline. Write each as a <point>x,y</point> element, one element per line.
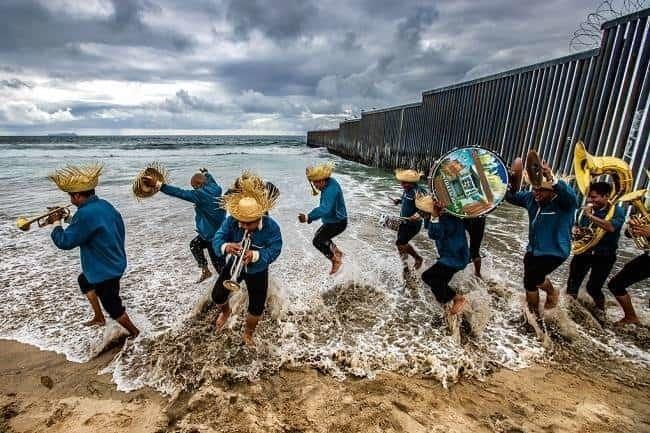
<point>551,207</point>
<point>448,231</point>
<point>208,217</point>
<point>248,220</point>
<point>598,260</point>
<point>331,211</point>
<point>98,230</point>
<point>411,221</point>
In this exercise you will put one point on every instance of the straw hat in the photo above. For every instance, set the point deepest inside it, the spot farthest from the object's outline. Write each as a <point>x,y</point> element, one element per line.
<point>77,178</point>
<point>320,171</point>
<point>154,170</point>
<point>250,202</point>
<point>424,202</point>
<point>412,176</point>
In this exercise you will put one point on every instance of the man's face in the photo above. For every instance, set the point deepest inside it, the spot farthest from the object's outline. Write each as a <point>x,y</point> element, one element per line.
<point>599,201</point>
<point>407,185</point>
<point>542,195</point>
<point>320,184</point>
<point>249,226</point>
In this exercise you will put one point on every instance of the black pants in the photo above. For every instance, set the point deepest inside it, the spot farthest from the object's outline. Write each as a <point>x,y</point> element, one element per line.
<point>407,231</point>
<point>475,227</point>
<point>536,268</point>
<point>634,271</point>
<point>323,237</point>
<point>438,277</point>
<point>197,246</point>
<point>108,293</point>
<point>257,285</point>
<point>600,267</point>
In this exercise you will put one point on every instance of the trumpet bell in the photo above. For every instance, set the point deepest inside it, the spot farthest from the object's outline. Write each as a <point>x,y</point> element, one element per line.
<point>23,223</point>
<point>232,286</point>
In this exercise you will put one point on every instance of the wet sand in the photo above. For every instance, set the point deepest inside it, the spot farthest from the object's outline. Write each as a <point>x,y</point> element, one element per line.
<point>42,392</point>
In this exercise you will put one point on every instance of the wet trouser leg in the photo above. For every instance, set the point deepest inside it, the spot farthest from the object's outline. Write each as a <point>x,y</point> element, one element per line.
<point>635,270</point>
<point>437,278</point>
<point>323,237</point>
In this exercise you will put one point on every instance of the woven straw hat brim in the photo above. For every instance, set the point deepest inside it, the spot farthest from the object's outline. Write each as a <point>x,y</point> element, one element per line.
<point>411,176</point>
<point>72,179</point>
<point>320,172</point>
<point>424,203</point>
<point>153,170</point>
<point>250,202</point>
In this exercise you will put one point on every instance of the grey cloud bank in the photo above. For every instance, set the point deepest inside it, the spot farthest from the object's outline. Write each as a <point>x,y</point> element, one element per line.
<point>155,66</point>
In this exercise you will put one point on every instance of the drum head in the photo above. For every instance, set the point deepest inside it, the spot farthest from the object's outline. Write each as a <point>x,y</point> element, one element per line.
<point>470,181</point>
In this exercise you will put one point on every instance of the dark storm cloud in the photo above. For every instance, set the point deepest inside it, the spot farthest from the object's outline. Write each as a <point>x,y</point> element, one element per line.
<point>230,63</point>
<point>15,83</point>
<point>27,26</point>
<point>277,20</point>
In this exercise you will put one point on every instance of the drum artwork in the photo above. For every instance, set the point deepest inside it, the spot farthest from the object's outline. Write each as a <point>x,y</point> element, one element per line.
<point>469,181</point>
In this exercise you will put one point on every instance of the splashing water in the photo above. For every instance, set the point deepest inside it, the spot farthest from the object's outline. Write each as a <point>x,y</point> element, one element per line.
<point>366,319</point>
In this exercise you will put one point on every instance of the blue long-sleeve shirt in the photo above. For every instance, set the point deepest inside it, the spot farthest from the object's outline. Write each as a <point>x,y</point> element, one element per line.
<point>98,230</point>
<point>549,227</point>
<point>449,235</point>
<point>267,241</point>
<point>609,243</point>
<point>208,215</point>
<point>332,205</point>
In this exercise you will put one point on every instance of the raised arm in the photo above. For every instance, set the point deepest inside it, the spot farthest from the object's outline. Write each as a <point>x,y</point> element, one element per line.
<point>566,196</point>
<point>184,194</point>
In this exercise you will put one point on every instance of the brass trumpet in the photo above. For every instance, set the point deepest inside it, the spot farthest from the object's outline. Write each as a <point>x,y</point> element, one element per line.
<point>25,224</point>
<point>232,284</point>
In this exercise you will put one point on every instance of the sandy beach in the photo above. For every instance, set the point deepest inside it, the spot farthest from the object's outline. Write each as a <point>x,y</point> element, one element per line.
<point>42,392</point>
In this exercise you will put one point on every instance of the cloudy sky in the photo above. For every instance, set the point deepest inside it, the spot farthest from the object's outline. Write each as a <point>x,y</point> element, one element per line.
<point>253,66</point>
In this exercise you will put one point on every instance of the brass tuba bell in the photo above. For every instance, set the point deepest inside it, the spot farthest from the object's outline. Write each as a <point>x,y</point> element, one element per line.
<point>585,167</point>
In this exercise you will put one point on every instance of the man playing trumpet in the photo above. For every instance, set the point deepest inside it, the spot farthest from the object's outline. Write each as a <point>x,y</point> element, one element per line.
<point>98,230</point>
<point>247,208</point>
<point>448,232</point>
<point>412,222</point>
<point>208,216</point>
<point>600,259</point>
<point>331,211</point>
<point>551,206</point>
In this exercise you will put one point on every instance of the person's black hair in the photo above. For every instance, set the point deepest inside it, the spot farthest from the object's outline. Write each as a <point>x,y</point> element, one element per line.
<point>85,194</point>
<point>602,188</point>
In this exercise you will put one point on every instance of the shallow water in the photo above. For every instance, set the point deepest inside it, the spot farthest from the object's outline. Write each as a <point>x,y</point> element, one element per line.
<point>364,320</point>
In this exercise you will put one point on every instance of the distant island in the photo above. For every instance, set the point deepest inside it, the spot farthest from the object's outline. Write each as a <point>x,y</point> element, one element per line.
<point>63,134</point>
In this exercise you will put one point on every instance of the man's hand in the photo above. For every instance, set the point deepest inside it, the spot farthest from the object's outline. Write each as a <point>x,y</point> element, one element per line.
<point>588,210</point>
<point>302,217</point>
<point>232,248</point>
<point>56,216</point>
<point>149,181</point>
<point>639,229</point>
<point>547,172</point>
<point>415,217</point>
<point>248,257</point>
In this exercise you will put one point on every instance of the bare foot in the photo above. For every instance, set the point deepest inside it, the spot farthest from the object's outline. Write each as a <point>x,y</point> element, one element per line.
<point>457,305</point>
<point>628,321</point>
<point>221,321</point>
<point>552,297</point>
<point>418,262</point>
<point>338,253</point>
<point>248,339</point>
<point>95,321</point>
<point>336,265</point>
<point>205,274</point>
<point>134,335</point>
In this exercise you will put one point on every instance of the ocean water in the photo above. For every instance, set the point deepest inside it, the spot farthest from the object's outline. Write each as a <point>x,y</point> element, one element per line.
<point>367,319</point>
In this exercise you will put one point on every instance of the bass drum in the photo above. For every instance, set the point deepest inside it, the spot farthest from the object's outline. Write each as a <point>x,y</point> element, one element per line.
<point>469,181</point>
